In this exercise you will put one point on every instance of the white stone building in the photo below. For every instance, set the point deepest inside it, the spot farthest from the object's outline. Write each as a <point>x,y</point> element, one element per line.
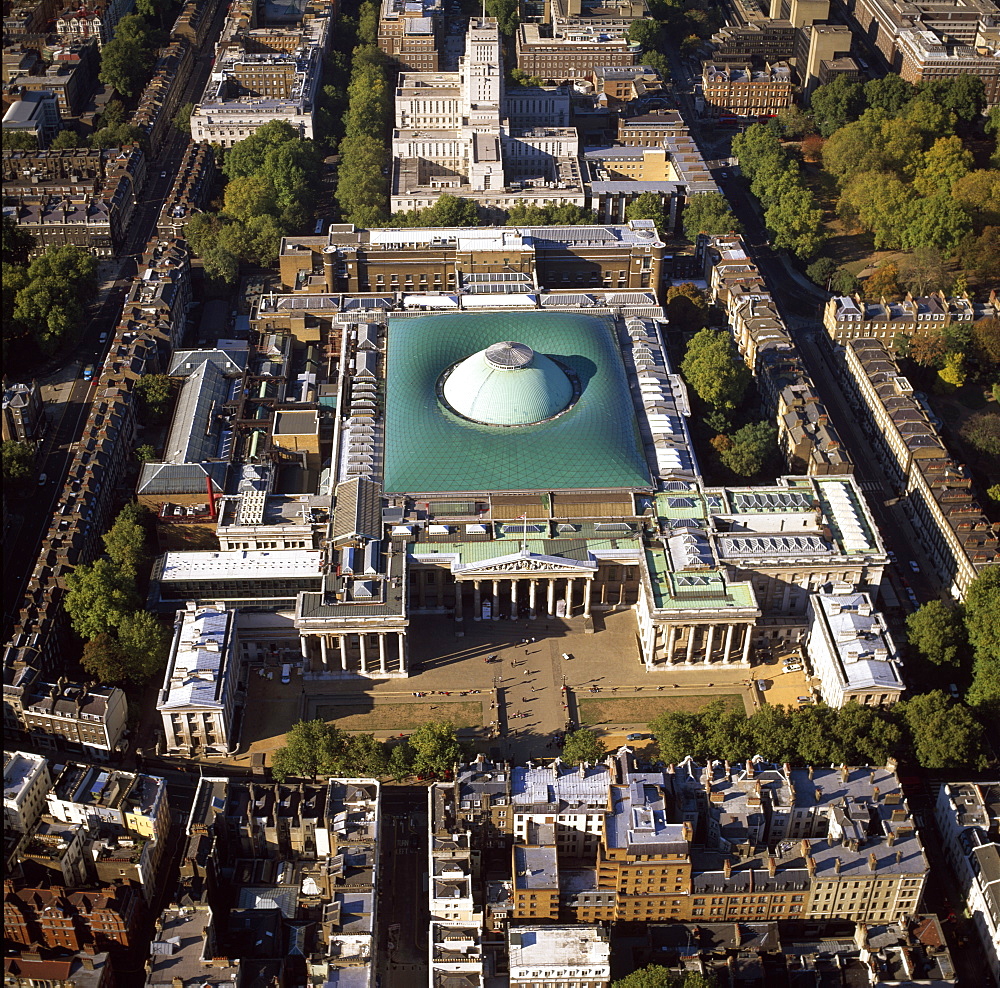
<point>198,697</point>
<point>851,651</point>
<point>26,780</point>
<point>551,956</point>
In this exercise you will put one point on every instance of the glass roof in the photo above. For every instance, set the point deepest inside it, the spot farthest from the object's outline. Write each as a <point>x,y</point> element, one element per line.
<point>594,444</point>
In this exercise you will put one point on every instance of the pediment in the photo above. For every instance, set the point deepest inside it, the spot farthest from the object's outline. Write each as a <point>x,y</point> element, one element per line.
<point>526,564</point>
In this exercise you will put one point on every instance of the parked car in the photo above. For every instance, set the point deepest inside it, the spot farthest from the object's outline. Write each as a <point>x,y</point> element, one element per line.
<point>953,690</point>
<point>637,737</point>
<point>103,338</point>
<point>792,667</point>
<point>914,566</point>
<point>43,479</point>
<point>286,673</point>
<point>805,699</point>
<point>763,684</point>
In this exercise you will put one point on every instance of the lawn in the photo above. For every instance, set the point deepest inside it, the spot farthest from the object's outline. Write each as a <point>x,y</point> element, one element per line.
<point>399,716</point>
<point>641,710</point>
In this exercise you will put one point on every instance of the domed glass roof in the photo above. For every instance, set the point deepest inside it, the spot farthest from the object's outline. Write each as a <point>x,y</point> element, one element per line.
<point>507,384</point>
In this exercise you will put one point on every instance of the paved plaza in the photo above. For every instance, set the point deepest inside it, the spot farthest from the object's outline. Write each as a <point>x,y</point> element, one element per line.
<point>520,693</point>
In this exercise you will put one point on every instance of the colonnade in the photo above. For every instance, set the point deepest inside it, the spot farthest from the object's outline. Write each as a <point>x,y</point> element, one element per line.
<point>687,644</point>
<point>542,592</point>
<point>334,656</point>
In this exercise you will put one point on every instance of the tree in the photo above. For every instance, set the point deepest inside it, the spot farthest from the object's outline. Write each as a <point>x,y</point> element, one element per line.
<point>145,453</point>
<point>981,255</point>
<point>795,123</point>
<point>182,118</point>
<point>18,460</point>
<point>648,206</point>
<point>928,348</point>
<point>99,595</point>
<point>883,283</point>
<point>978,193</point>
<point>878,202</point>
<point>400,760</point>
<point>120,135</point>
<point>750,448</point>
<point>306,751</point>
<point>937,632</point>
<point>127,59</point>
<point>16,244</point>
<point>935,221</point>
<point>51,311</point>
<point>982,614</point>
<point>709,213</point>
<point>844,283</point>
<point>144,643</point>
<point>435,747</point>
<point>583,746</point>
<point>18,140</point>
<point>103,659</point>
<point>505,11</point>
<point>953,374</point>
<point>713,369</point>
<point>126,542</point>
<point>922,271</point>
<point>220,265</point>
<point>837,103</point>
<point>796,223</point>
<point>945,734</point>
<point>156,395</point>
<point>65,139</point>
<point>964,95</point>
<point>249,195</point>
<point>982,431</point>
<point>368,23</point>
<point>646,33</point>
<point>890,93</point>
<point>986,341</point>
<point>366,756</point>
<point>678,735</point>
<point>822,270</point>
<point>687,307</point>
<point>944,163</point>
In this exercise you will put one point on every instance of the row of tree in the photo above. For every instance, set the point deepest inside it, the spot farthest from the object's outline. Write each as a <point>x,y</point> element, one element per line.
<point>938,732</point>
<point>965,638</point>
<point>793,218</point>
<point>314,748</point>
<point>124,643</point>
<point>362,186</point>
<point>43,301</point>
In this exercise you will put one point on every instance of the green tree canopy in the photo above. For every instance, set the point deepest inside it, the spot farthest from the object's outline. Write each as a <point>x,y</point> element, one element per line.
<point>65,139</point>
<point>648,206</point>
<point>715,372</point>
<point>18,460</point>
<point>18,140</point>
<point>144,642</point>
<point>156,395</point>
<point>750,448</point>
<point>182,118</point>
<point>583,746</point>
<point>945,734</point>
<point>945,162</point>
<point>687,307</point>
<point>836,103</point>
<point>978,193</point>
<point>655,976</point>
<point>99,595</point>
<point>506,13</point>
<point>982,431</point>
<point>889,93</point>
<point>937,632</point>
<point>796,223</point>
<point>16,243</point>
<point>127,59</point>
<point>985,341</point>
<point>308,751</point>
<point>435,748</point>
<point>709,214</point>
<point>104,660</point>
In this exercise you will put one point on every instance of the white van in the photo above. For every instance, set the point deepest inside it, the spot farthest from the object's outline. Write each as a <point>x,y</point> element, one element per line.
<point>286,673</point>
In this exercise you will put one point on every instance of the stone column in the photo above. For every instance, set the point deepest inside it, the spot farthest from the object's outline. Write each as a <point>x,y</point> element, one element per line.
<point>421,588</point>
<point>532,593</point>
<point>569,597</point>
<point>322,650</point>
<point>402,651</point>
<point>513,600</point>
<point>496,600</point>
<point>381,652</point>
<point>458,601</point>
<point>342,639</point>
<point>671,641</point>
<point>692,631</point>
<point>304,646</point>
<point>552,596</point>
<point>727,648</point>
<point>477,602</point>
<point>587,584</point>
<point>746,645</point>
<point>710,641</point>
<point>364,652</point>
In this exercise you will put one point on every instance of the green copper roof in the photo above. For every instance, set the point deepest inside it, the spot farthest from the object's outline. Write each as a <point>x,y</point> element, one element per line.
<point>593,444</point>
<point>507,384</point>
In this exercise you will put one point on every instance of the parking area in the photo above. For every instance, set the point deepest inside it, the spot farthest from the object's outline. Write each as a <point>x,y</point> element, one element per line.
<point>785,671</point>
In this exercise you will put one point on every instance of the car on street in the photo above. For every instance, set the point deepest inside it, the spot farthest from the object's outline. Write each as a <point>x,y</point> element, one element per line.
<point>43,479</point>
<point>892,557</point>
<point>286,673</point>
<point>638,737</point>
<point>163,174</point>
<point>792,667</point>
<point>103,338</point>
<point>953,691</point>
<point>914,566</point>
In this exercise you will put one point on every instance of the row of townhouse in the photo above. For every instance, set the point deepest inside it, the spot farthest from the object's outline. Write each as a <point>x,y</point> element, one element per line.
<point>34,703</point>
<point>956,536</point>
<point>721,843</point>
<point>808,438</point>
<point>847,317</point>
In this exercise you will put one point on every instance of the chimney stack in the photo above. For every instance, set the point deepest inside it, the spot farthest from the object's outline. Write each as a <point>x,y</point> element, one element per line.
<point>818,793</point>
<point>727,868</point>
<point>872,862</point>
<point>749,769</point>
<point>811,865</point>
<point>810,773</point>
<point>844,774</point>
<point>891,838</point>
<point>836,866</point>
<point>772,865</point>
<point>804,848</point>
<point>899,857</point>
